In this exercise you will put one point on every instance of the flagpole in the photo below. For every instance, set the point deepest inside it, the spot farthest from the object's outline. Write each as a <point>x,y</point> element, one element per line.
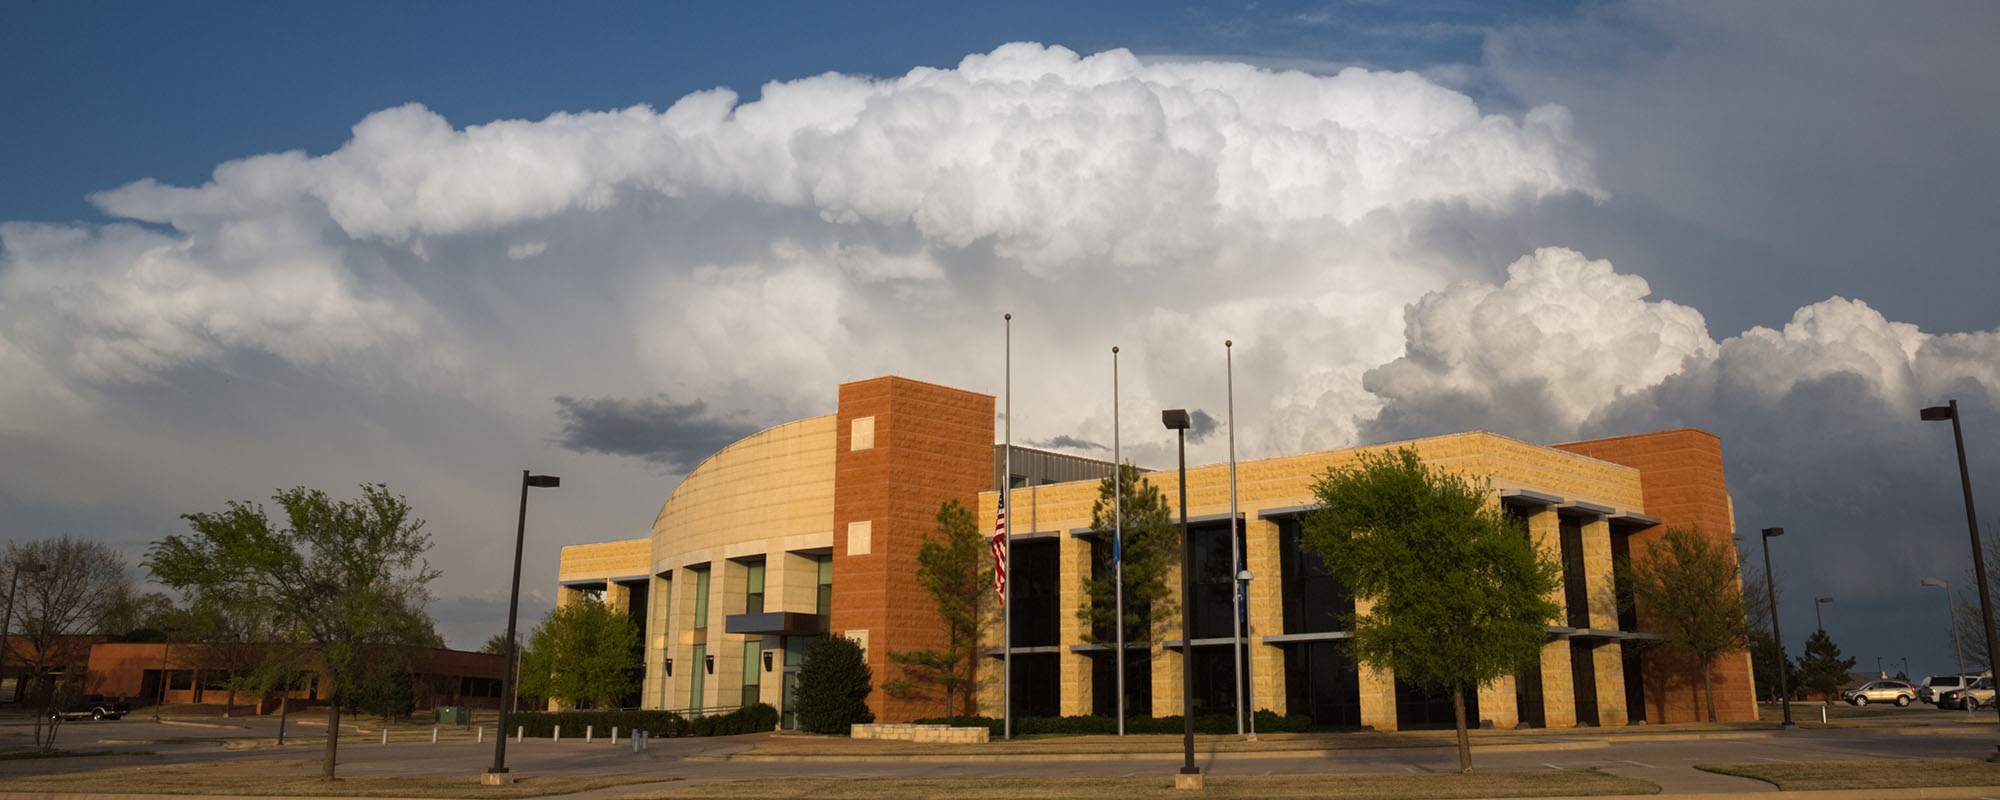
<point>1118,538</point>
<point>1007,589</point>
<point>1235,558</point>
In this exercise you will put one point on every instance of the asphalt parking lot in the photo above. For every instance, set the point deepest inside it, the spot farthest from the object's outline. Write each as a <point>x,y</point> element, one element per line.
<point>1666,758</point>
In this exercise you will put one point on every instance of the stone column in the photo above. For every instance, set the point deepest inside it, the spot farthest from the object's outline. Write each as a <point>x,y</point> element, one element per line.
<point>1558,687</point>
<point>1604,656</point>
<point>1167,664</point>
<point>1265,596</point>
<point>617,597</point>
<point>729,589</point>
<point>1496,705</point>
<point>1378,687</point>
<point>1075,697</point>
<point>659,627</point>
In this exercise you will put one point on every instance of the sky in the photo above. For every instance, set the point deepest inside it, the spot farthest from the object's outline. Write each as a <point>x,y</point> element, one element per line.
<point>252,246</point>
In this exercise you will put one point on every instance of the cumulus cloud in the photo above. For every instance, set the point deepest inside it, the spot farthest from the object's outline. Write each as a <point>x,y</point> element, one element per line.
<point>1538,355</point>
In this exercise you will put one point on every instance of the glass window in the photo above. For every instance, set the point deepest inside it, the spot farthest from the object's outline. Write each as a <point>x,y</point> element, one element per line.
<point>701,598</point>
<point>753,671</point>
<point>1575,596</point>
<point>698,672</point>
<point>1314,600</point>
<point>823,602</point>
<point>753,579</point>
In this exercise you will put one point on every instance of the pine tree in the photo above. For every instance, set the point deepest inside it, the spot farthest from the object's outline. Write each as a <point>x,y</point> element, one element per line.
<point>952,567</point>
<point>1821,668</point>
<point>833,686</point>
<point>1151,547</point>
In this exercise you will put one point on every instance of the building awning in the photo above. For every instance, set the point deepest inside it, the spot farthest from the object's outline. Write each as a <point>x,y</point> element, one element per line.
<point>774,623</point>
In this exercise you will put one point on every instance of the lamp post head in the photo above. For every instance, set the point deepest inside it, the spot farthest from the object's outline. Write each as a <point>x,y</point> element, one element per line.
<point>1936,414</point>
<point>544,481</point>
<point>1243,575</point>
<point>1176,419</point>
<point>1770,532</point>
<point>1934,582</point>
<point>1822,599</point>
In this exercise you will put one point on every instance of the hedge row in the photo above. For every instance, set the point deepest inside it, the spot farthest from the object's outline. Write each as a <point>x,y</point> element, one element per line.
<point>1267,722</point>
<point>748,719</point>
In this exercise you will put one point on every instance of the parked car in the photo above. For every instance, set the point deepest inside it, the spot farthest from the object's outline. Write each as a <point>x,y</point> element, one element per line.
<point>94,706</point>
<point>1980,693</point>
<point>1896,692</point>
<point>1934,687</point>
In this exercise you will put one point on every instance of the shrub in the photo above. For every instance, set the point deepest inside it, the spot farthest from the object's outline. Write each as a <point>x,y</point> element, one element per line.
<point>1267,722</point>
<point>833,687</point>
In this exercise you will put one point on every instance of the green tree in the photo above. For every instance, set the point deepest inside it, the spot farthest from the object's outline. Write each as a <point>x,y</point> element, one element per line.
<point>834,682</point>
<point>1151,546</point>
<point>952,566</point>
<point>348,576</point>
<point>582,652</point>
<point>1457,596</point>
<point>1765,661</point>
<point>496,645</point>
<point>1821,668</point>
<point>68,595</point>
<point>1686,588</point>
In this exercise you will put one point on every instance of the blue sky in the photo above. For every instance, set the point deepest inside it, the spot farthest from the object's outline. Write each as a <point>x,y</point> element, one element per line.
<point>1771,221</point>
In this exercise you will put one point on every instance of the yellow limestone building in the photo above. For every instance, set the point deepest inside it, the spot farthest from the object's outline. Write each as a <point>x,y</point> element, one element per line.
<point>813,525</point>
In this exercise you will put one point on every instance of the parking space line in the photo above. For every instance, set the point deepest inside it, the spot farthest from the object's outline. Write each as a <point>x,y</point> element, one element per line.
<point>1639,764</point>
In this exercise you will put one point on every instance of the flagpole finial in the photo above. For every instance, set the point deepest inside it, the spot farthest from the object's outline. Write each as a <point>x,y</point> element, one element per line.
<point>1006,316</point>
<point>1114,349</point>
<point>1227,343</point>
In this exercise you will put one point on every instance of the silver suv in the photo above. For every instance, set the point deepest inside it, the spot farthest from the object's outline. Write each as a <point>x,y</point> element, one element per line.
<point>1896,692</point>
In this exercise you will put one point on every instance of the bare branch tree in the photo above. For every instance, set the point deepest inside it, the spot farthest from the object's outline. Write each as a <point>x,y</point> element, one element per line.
<point>65,585</point>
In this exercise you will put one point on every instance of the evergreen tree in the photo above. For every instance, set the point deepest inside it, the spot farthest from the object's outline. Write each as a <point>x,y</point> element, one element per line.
<point>833,687</point>
<point>1151,547</point>
<point>1458,594</point>
<point>1820,668</point>
<point>951,566</point>
<point>1765,661</point>
<point>1686,588</point>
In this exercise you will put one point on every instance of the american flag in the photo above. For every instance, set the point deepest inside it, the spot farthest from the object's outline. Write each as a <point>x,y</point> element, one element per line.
<point>1000,550</point>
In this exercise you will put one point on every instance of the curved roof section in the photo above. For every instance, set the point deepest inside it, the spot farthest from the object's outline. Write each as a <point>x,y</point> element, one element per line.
<point>773,483</point>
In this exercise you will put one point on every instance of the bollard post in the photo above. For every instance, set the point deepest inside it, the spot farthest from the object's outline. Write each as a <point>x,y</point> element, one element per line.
<point>589,732</point>
<point>614,734</point>
<point>385,735</point>
<point>520,733</point>
<point>480,733</point>
<point>635,740</point>
<point>646,741</point>
<point>1822,712</point>
<point>434,734</point>
<point>557,736</point>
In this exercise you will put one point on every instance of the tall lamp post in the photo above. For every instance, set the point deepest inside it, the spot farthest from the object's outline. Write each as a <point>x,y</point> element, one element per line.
<point>497,774</point>
<point>7,620</point>
<point>1784,663</point>
<point>1817,621</point>
<point>1950,412</point>
<point>1176,420</point>
<point>1950,620</point>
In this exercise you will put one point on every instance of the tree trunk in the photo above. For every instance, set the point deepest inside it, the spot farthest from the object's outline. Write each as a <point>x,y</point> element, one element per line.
<point>230,703</point>
<point>284,711</point>
<point>1464,741</point>
<point>332,740</point>
<point>1709,689</point>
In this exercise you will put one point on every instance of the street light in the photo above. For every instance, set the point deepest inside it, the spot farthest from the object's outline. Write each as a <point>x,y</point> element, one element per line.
<point>497,774</point>
<point>7,620</point>
<point>1950,620</point>
<point>1784,663</point>
<point>1950,412</point>
<point>1176,420</point>
<point>1817,602</point>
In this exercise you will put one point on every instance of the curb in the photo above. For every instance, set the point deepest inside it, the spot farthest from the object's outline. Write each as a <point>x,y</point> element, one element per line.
<point>188,724</point>
<point>1925,793</point>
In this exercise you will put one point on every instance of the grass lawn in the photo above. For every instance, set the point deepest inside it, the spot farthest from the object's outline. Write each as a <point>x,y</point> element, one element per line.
<point>301,778</point>
<point>1396,786</point>
<point>1867,773</point>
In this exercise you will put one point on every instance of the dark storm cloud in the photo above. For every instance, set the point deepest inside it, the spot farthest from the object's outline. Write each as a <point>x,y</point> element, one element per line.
<point>1067,442</point>
<point>672,435</point>
<point>1203,427</point>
